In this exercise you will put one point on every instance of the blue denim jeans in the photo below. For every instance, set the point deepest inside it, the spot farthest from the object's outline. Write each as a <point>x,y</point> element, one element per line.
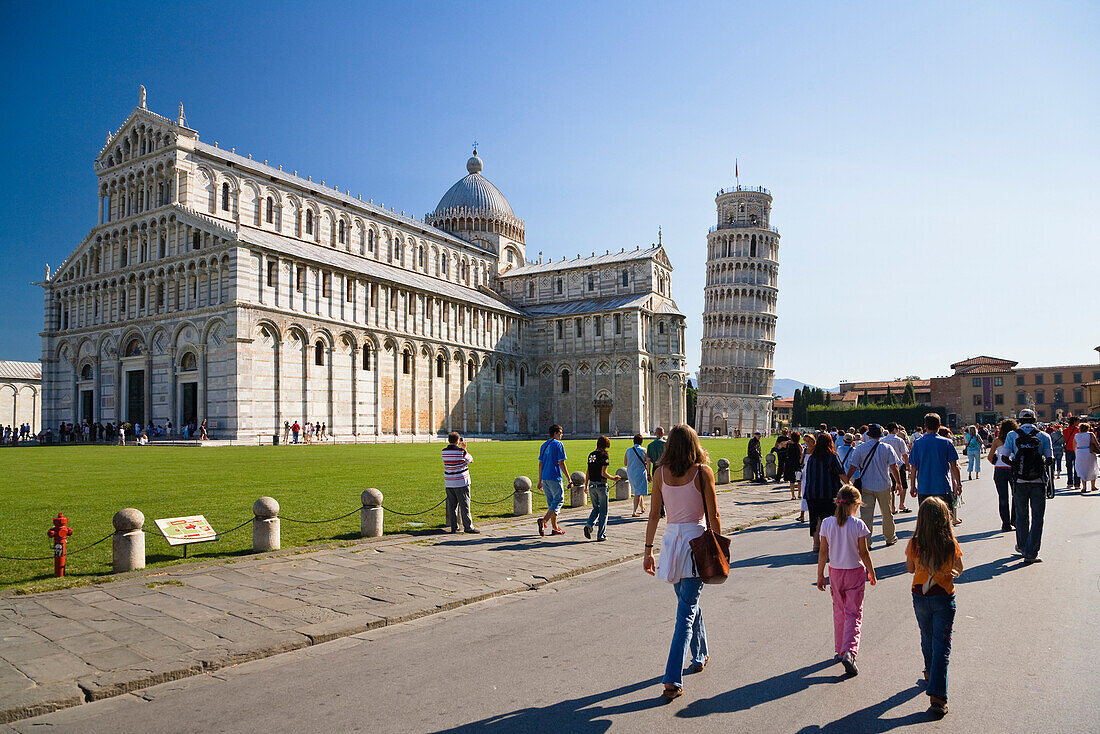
<point>974,462</point>
<point>1029,498</point>
<point>935,618</point>
<point>689,635</point>
<point>598,517</point>
<point>1002,479</point>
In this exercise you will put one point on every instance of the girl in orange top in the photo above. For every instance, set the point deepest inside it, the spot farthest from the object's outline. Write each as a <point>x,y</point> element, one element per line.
<point>934,558</point>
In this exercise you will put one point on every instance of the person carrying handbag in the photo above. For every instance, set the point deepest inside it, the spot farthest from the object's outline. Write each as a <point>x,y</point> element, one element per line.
<point>683,485</point>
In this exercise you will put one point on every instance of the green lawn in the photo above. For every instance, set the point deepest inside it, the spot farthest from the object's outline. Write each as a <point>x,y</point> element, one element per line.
<point>90,483</point>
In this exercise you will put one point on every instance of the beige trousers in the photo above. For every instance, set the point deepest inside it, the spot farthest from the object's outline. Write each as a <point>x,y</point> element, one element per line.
<point>867,513</point>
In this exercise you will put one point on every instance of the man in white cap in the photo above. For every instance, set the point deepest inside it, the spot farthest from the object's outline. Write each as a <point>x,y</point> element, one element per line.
<point>1030,454</point>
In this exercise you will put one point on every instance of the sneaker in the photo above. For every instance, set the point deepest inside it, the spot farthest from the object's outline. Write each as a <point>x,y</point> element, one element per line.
<point>849,663</point>
<point>1019,550</point>
<point>601,539</point>
<point>1035,559</point>
<point>542,526</point>
<point>472,530</point>
<point>588,531</point>
<point>891,542</point>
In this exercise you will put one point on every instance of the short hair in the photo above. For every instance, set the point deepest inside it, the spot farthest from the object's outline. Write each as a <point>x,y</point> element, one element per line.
<point>453,437</point>
<point>932,422</point>
<point>658,431</point>
<point>944,431</point>
<point>1073,420</point>
<point>555,429</point>
<point>824,427</point>
<point>638,438</point>
<point>603,442</point>
<point>891,426</point>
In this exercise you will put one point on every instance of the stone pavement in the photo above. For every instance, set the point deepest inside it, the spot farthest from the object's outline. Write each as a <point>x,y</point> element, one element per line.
<point>62,648</point>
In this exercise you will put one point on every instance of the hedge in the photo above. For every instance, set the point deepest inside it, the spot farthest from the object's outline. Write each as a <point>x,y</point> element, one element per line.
<point>905,415</point>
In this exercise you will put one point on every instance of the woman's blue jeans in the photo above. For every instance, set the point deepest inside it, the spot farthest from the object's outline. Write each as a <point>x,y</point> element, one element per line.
<point>598,517</point>
<point>689,634</point>
<point>973,462</point>
<point>935,618</point>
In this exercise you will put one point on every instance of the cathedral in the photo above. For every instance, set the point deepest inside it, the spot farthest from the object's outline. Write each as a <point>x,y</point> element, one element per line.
<point>218,287</point>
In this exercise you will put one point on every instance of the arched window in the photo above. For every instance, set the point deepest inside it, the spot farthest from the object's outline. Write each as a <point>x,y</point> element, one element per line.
<point>370,240</point>
<point>661,327</point>
<point>522,376</point>
<point>439,366</point>
<point>366,357</point>
<point>319,353</point>
<point>752,245</point>
<point>626,278</point>
<point>225,197</point>
<point>270,210</point>
<point>343,232</point>
<point>86,372</point>
<point>511,257</point>
<point>189,363</point>
<point>309,221</point>
<point>500,374</point>
<point>565,381</point>
<point>470,370</point>
<point>741,207</point>
<point>133,348</point>
<point>406,362</point>
<point>420,258</point>
<point>531,289</point>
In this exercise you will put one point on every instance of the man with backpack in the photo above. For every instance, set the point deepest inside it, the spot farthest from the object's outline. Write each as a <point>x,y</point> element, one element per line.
<point>1030,455</point>
<point>755,456</point>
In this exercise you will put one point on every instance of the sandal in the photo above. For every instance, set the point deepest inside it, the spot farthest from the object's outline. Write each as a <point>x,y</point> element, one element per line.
<point>697,668</point>
<point>671,693</point>
<point>557,531</point>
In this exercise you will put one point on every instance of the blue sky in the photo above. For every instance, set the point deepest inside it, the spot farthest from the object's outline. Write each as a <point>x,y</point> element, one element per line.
<point>930,162</point>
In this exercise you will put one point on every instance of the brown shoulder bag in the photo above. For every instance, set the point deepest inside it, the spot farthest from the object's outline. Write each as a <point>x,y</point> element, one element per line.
<point>710,552</point>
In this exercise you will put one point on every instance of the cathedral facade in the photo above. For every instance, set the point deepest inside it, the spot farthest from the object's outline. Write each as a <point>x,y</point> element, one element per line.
<point>218,287</point>
<point>736,372</point>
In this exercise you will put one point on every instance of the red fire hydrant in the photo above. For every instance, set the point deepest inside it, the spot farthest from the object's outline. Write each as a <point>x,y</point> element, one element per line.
<point>59,534</point>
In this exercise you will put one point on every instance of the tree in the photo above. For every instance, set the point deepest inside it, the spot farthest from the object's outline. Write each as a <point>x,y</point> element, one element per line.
<point>692,400</point>
<point>909,397</point>
<point>889,399</point>
<point>798,408</point>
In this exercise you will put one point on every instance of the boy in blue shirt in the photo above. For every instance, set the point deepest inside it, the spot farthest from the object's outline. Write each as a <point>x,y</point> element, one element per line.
<point>552,470</point>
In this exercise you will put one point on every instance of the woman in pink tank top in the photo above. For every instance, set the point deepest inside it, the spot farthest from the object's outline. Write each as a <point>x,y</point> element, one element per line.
<point>681,481</point>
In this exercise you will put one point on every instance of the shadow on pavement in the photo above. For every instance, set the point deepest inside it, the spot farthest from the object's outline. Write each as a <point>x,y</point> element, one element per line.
<point>761,692</point>
<point>990,570</point>
<point>869,720</point>
<point>587,714</point>
<point>802,558</point>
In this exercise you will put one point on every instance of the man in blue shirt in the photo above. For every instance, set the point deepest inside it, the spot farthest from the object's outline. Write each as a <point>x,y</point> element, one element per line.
<point>551,471</point>
<point>935,464</point>
<point>1029,492</point>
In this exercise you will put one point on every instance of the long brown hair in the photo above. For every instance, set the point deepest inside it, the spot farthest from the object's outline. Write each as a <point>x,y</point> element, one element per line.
<point>682,451</point>
<point>1007,426</point>
<point>934,536</point>
<point>823,447</point>
<point>845,498</point>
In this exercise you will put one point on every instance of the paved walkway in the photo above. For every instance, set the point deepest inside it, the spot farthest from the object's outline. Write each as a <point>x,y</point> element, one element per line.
<point>62,648</point>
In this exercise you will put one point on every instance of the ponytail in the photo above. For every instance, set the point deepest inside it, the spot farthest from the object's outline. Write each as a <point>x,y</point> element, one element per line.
<point>845,498</point>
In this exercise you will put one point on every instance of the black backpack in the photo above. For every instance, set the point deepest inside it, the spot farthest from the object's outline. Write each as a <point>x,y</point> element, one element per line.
<point>1028,464</point>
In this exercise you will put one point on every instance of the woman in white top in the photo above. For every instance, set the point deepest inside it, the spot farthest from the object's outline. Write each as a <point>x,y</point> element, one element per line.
<point>1002,475</point>
<point>1085,459</point>
<point>683,484</point>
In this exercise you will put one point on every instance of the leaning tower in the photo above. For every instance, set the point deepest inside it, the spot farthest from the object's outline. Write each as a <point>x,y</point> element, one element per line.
<point>735,374</point>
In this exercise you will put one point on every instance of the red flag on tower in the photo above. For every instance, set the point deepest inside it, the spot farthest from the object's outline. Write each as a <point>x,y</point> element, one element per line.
<point>736,175</point>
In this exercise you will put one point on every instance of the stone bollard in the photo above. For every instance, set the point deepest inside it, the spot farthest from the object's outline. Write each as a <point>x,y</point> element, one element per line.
<point>370,517</point>
<point>770,470</point>
<point>622,487</point>
<point>265,525</point>
<point>746,471</point>
<point>723,476</point>
<point>577,496</point>
<point>521,499</point>
<point>128,542</point>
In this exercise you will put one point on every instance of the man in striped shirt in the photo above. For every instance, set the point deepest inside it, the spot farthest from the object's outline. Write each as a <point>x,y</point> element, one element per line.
<point>456,479</point>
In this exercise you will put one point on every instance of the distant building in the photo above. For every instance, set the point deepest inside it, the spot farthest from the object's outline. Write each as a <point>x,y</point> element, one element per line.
<point>986,389</point>
<point>853,393</point>
<point>21,394</point>
<point>781,412</point>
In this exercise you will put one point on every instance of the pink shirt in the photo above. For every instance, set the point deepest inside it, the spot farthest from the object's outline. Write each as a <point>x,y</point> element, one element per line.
<point>843,541</point>
<point>683,502</point>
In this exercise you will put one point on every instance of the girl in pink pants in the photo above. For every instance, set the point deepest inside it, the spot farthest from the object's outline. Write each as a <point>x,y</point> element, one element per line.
<point>844,547</point>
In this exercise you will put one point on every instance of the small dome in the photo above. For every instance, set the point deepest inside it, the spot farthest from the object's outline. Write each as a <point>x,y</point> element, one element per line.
<point>474,194</point>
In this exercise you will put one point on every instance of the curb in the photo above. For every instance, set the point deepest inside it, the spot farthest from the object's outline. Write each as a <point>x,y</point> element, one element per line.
<point>57,696</point>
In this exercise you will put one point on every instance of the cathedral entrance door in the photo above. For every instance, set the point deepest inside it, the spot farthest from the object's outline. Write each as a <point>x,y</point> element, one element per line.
<point>86,400</point>
<point>189,403</point>
<point>135,396</point>
<point>605,419</point>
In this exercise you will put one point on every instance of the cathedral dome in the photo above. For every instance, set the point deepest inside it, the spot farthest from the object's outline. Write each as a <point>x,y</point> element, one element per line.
<point>474,194</point>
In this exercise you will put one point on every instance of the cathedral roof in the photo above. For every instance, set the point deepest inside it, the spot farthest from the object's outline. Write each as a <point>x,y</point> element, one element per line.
<point>598,305</point>
<point>372,269</point>
<point>608,258</point>
<point>474,194</point>
<point>20,370</point>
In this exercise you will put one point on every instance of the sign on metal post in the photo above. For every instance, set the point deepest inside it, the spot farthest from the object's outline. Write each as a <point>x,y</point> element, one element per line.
<point>186,530</point>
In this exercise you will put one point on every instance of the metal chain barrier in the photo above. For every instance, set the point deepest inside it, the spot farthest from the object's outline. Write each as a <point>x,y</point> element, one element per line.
<point>318,522</point>
<point>414,514</point>
<point>51,557</point>
<point>497,502</point>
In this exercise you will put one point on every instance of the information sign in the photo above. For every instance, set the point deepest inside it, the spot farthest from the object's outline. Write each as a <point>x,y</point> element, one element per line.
<point>184,530</point>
